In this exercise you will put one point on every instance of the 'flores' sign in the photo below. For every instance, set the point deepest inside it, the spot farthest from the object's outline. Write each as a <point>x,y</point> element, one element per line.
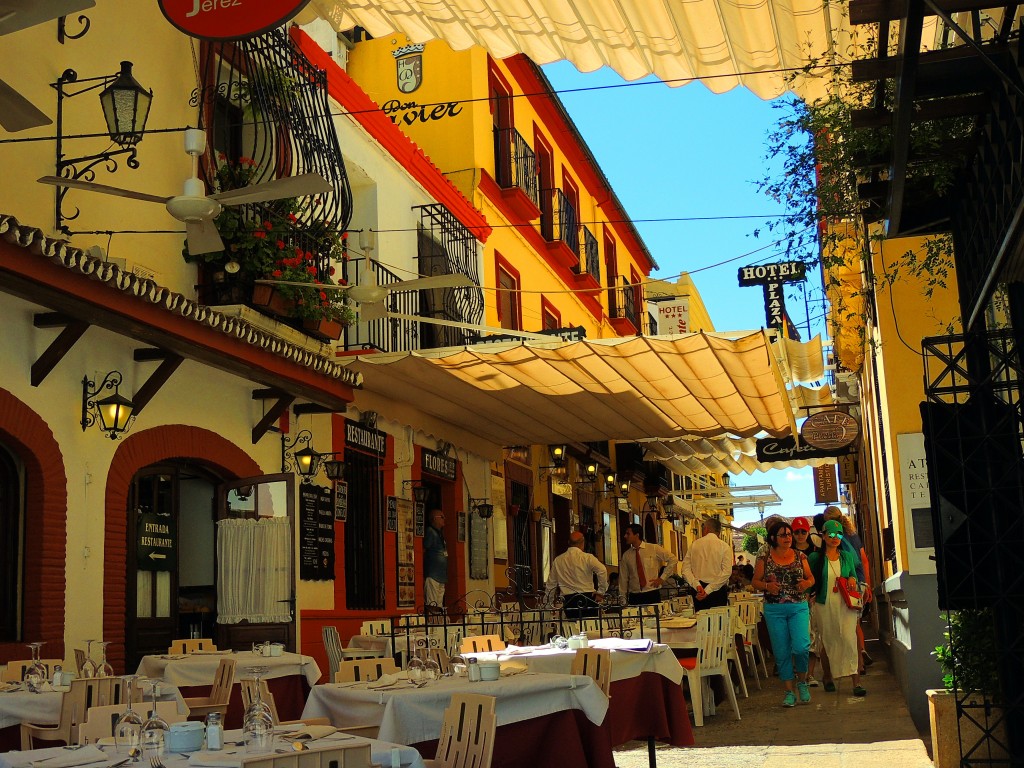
<point>228,19</point>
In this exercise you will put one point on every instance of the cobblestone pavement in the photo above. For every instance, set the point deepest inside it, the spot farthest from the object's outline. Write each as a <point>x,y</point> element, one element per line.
<point>875,730</point>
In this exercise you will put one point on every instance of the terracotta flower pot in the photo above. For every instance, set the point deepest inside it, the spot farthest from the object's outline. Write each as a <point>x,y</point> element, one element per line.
<point>268,299</point>
<point>324,329</point>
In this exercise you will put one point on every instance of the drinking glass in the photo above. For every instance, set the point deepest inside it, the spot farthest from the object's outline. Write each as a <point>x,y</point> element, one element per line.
<point>153,735</point>
<point>35,673</point>
<point>415,668</point>
<point>258,722</point>
<point>104,669</point>
<point>88,666</point>
<point>431,670</point>
<point>128,728</point>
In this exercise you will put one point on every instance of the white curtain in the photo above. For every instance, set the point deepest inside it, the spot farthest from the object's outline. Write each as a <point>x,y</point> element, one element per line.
<point>254,570</point>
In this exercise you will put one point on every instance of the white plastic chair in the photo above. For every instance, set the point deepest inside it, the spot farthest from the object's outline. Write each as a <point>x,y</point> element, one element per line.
<point>713,634</point>
<point>749,612</point>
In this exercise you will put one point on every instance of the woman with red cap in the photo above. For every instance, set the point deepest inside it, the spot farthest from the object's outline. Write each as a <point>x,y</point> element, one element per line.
<point>802,543</point>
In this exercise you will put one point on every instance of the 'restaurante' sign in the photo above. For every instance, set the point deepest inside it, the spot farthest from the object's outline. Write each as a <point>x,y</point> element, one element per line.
<point>228,19</point>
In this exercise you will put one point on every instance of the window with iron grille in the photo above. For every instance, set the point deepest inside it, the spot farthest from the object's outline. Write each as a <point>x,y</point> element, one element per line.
<point>446,247</point>
<point>265,106</point>
<point>364,532</point>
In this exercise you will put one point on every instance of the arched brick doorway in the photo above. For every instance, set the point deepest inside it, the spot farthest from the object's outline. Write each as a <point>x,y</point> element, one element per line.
<point>135,452</point>
<point>29,438</point>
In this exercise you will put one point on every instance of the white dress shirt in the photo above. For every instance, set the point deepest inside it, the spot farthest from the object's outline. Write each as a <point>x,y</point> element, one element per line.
<point>574,570</point>
<point>708,560</point>
<point>658,563</point>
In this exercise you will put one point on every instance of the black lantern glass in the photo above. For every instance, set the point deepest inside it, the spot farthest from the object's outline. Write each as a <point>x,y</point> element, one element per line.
<point>307,462</point>
<point>334,469</point>
<point>114,412</point>
<point>558,453</point>
<point>125,107</point>
<point>421,494</point>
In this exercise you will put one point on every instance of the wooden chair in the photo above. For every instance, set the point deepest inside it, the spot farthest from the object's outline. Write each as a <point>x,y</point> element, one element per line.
<point>15,670</point>
<point>376,627</point>
<point>100,721</point>
<point>440,655</point>
<point>355,670</point>
<point>249,696</point>
<point>713,636</point>
<point>83,694</point>
<point>189,645</point>
<point>481,643</point>
<point>217,701</point>
<point>595,663</point>
<point>335,653</point>
<point>79,660</point>
<point>467,733</point>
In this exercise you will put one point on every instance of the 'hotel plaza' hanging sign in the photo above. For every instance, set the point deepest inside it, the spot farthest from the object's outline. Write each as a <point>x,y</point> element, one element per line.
<point>228,19</point>
<point>772,277</point>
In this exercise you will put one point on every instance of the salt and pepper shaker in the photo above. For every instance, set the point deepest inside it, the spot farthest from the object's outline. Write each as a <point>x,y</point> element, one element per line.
<point>58,674</point>
<point>214,731</point>
<point>473,667</point>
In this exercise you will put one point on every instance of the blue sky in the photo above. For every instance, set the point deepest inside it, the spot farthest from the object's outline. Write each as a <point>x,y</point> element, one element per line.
<point>673,153</point>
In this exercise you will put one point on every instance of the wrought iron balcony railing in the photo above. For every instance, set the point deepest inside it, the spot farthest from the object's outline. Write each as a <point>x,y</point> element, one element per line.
<point>590,260</point>
<point>516,164</point>
<point>386,334</point>
<point>561,223</point>
<point>622,303</point>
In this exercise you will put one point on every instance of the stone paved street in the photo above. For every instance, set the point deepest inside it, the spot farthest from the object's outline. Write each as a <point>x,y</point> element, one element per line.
<point>835,729</point>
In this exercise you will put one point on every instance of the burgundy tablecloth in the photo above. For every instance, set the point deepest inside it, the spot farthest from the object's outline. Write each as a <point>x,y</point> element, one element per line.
<point>649,706</point>
<point>10,738</point>
<point>289,692</point>
<point>565,739</point>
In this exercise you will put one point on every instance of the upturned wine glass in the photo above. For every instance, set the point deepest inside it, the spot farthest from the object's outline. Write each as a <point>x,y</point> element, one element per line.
<point>104,669</point>
<point>153,734</point>
<point>128,728</point>
<point>35,673</point>
<point>258,722</point>
<point>88,666</point>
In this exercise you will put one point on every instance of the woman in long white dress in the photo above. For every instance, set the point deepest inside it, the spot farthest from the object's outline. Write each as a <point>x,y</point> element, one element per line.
<point>836,622</point>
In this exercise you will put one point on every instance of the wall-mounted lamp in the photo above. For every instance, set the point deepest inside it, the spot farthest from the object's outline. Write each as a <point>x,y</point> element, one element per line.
<point>482,506</point>
<point>622,483</point>
<point>114,411</point>
<point>125,105</point>
<point>669,505</point>
<point>304,461</point>
<point>609,481</point>
<point>420,492</point>
<point>334,467</point>
<point>590,471</point>
<point>558,455</point>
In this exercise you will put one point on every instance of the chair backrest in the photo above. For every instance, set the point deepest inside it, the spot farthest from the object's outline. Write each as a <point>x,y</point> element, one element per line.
<point>84,694</point>
<point>192,644</point>
<point>595,663</point>
<point>480,643</point>
<point>440,655</point>
<point>376,627</point>
<point>79,660</point>
<point>15,670</point>
<point>249,696</point>
<point>748,612</point>
<point>223,681</point>
<point>332,644</point>
<point>712,636</point>
<point>355,670</point>
<point>467,733</point>
<point>100,721</point>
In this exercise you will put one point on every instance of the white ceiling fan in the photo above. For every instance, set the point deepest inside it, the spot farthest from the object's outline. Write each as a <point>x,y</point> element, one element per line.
<point>16,112</point>
<point>196,208</point>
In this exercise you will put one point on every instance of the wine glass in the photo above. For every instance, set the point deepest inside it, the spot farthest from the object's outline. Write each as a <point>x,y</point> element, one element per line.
<point>35,673</point>
<point>415,668</point>
<point>153,734</point>
<point>128,728</point>
<point>104,669</point>
<point>431,669</point>
<point>258,722</point>
<point>88,666</point>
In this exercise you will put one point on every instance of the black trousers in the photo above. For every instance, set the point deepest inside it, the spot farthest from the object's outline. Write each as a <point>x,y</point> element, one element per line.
<point>649,597</point>
<point>580,605</point>
<point>717,599</point>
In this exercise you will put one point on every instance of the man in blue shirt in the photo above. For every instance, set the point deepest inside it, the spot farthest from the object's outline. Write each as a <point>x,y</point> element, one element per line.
<point>435,560</point>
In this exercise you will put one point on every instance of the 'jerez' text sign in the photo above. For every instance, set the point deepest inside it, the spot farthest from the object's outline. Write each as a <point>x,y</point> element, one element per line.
<point>228,19</point>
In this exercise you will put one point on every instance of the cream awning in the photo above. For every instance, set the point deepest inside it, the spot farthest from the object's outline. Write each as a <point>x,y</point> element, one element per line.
<point>607,389</point>
<point>722,42</point>
<point>716,456</point>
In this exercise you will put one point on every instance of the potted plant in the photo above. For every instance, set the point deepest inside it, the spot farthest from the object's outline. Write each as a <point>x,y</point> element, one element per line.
<point>971,677</point>
<point>324,312</point>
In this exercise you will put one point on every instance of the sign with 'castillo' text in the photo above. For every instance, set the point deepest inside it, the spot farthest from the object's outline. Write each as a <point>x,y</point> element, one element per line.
<point>228,19</point>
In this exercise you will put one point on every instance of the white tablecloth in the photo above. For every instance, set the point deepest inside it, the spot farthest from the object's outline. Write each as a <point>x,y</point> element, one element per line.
<point>38,708</point>
<point>409,715</point>
<point>625,664</point>
<point>199,668</point>
<point>380,753</point>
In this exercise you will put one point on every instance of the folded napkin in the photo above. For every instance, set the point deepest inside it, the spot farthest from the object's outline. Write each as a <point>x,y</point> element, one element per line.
<point>72,757</point>
<point>512,668</point>
<point>4,687</point>
<point>218,758</point>
<point>310,732</point>
<point>514,650</point>
<point>383,681</point>
<point>173,657</point>
<point>679,623</point>
<point>212,653</point>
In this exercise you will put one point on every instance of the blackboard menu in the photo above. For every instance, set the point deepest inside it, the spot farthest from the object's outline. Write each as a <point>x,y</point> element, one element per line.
<point>316,533</point>
<point>391,524</point>
<point>341,500</point>
<point>420,518</point>
<point>462,526</point>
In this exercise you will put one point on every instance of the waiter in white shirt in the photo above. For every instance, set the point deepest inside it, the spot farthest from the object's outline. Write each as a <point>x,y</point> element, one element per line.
<point>573,573</point>
<point>707,567</point>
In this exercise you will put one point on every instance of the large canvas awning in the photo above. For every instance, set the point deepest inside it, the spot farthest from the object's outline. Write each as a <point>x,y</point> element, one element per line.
<point>607,389</point>
<point>723,43</point>
<point>718,455</point>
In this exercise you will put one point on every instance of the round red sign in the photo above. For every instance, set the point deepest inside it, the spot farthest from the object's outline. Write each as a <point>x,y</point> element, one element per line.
<point>228,19</point>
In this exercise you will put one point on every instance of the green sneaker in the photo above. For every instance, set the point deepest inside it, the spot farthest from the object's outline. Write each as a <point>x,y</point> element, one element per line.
<point>859,691</point>
<point>804,693</point>
<point>830,687</point>
<point>789,700</point>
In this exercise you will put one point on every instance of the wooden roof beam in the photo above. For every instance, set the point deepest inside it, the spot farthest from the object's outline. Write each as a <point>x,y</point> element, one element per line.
<point>273,413</point>
<point>933,109</point>
<point>169,363</point>
<point>909,54</point>
<point>876,11</point>
<point>59,347</point>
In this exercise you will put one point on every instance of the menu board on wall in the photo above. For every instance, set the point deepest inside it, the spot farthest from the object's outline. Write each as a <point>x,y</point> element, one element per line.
<point>479,561</point>
<point>420,519</point>
<point>341,500</point>
<point>316,533</point>
<point>406,554</point>
<point>462,526</point>
<point>391,522</point>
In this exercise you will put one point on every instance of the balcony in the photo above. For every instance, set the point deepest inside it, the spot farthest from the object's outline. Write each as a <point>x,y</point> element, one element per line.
<point>560,226</point>
<point>516,167</point>
<point>623,309</point>
<point>588,269</point>
<point>385,334</point>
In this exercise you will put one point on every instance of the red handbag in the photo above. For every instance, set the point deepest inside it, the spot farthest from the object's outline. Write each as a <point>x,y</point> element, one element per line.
<point>851,597</point>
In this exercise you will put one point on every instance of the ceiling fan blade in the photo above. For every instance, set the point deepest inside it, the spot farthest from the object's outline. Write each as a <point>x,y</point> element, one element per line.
<point>18,113</point>
<point>103,189</point>
<point>297,284</point>
<point>371,311</point>
<point>202,237</point>
<point>22,14</point>
<point>290,186</point>
<point>469,326</point>
<point>428,283</point>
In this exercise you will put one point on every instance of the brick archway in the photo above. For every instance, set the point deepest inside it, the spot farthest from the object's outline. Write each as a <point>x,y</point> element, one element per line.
<point>137,451</point>
<point>30,439</point>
